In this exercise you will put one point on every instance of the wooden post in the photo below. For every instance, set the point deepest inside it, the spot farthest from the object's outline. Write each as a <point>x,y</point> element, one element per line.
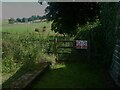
<point>55,48</point>
<point>89,48</point>
<point>55,45</point>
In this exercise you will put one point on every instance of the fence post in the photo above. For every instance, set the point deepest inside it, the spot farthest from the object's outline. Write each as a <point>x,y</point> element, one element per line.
<point>89,47</point>
<point>55,45</point>
<point>56,48</point>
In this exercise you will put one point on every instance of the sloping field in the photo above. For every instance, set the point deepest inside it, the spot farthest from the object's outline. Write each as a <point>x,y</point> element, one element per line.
<point>24,27</point>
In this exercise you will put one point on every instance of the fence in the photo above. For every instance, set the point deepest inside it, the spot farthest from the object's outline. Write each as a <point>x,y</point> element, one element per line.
<point>115,67</point>
<point>61,44</point>
<point>65,48</point>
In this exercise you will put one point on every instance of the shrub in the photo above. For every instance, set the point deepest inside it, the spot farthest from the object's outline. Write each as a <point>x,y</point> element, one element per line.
<point>23,50</point>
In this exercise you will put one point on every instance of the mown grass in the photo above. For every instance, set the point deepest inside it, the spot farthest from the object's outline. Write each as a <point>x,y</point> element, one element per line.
<point>73,75</point>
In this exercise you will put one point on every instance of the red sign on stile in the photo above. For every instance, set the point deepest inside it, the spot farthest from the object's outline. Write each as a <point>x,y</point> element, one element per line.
<point>81,44</point>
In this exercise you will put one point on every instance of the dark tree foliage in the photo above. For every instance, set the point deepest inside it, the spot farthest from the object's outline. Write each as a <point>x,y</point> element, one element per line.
<point>34,17</point>
<point>38,17</point>
<point>67,16</point>
<point>44,17</point>
<point>11,21</point>
<point>24,19</point>
<point>18,20</point>
<point>108,32</point>
<point>29,19</point>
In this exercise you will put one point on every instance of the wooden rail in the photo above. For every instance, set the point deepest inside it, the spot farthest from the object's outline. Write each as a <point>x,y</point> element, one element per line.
<point>56,47</point>
<point>65,47</point>
<point>62,40</point>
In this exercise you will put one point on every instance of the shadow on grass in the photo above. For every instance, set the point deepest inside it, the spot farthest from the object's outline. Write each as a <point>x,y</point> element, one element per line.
<point>73,75</point>
<point>74,72</point>
<point>80,56</point>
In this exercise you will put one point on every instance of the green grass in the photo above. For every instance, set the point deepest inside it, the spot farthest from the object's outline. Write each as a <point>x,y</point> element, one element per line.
<point>24,27</point>
<point>73,75</point>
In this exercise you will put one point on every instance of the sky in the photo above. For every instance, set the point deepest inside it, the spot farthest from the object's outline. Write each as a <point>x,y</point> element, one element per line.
<point>61,0</point>
<point>19,0</point>
<point>27,8</point>
<point>22,9</point>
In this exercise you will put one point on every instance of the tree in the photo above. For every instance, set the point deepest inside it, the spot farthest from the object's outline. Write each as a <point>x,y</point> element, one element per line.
<point>11,21</point>
<point>29,19</point>
<point>67,16</point>
<point>34,17</point>
<point>108,33</point>
<point>18,20</point>
<point>24,20</point>
<point>43,17</point>
<point>38,17</point>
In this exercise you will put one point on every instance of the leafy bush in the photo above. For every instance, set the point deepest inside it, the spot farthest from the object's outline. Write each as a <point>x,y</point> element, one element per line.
<point>8,65</point>
<point>91,33</point>
<point>101,34</point>
<point>108,23</point>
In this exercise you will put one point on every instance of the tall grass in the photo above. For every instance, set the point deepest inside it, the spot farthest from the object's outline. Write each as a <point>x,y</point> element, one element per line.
<point>25,49</point>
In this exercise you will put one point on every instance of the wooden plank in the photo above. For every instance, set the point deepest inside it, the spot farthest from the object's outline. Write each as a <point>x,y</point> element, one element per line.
<point>64,41</point>
<point>64,47</point>
<point>63,53</point>
<point>61,41</point>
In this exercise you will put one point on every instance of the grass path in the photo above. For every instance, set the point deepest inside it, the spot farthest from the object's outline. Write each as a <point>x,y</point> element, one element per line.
<point>73,75</point>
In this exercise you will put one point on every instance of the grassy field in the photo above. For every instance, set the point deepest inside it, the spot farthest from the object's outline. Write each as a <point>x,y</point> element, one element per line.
<point>24,27</point>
